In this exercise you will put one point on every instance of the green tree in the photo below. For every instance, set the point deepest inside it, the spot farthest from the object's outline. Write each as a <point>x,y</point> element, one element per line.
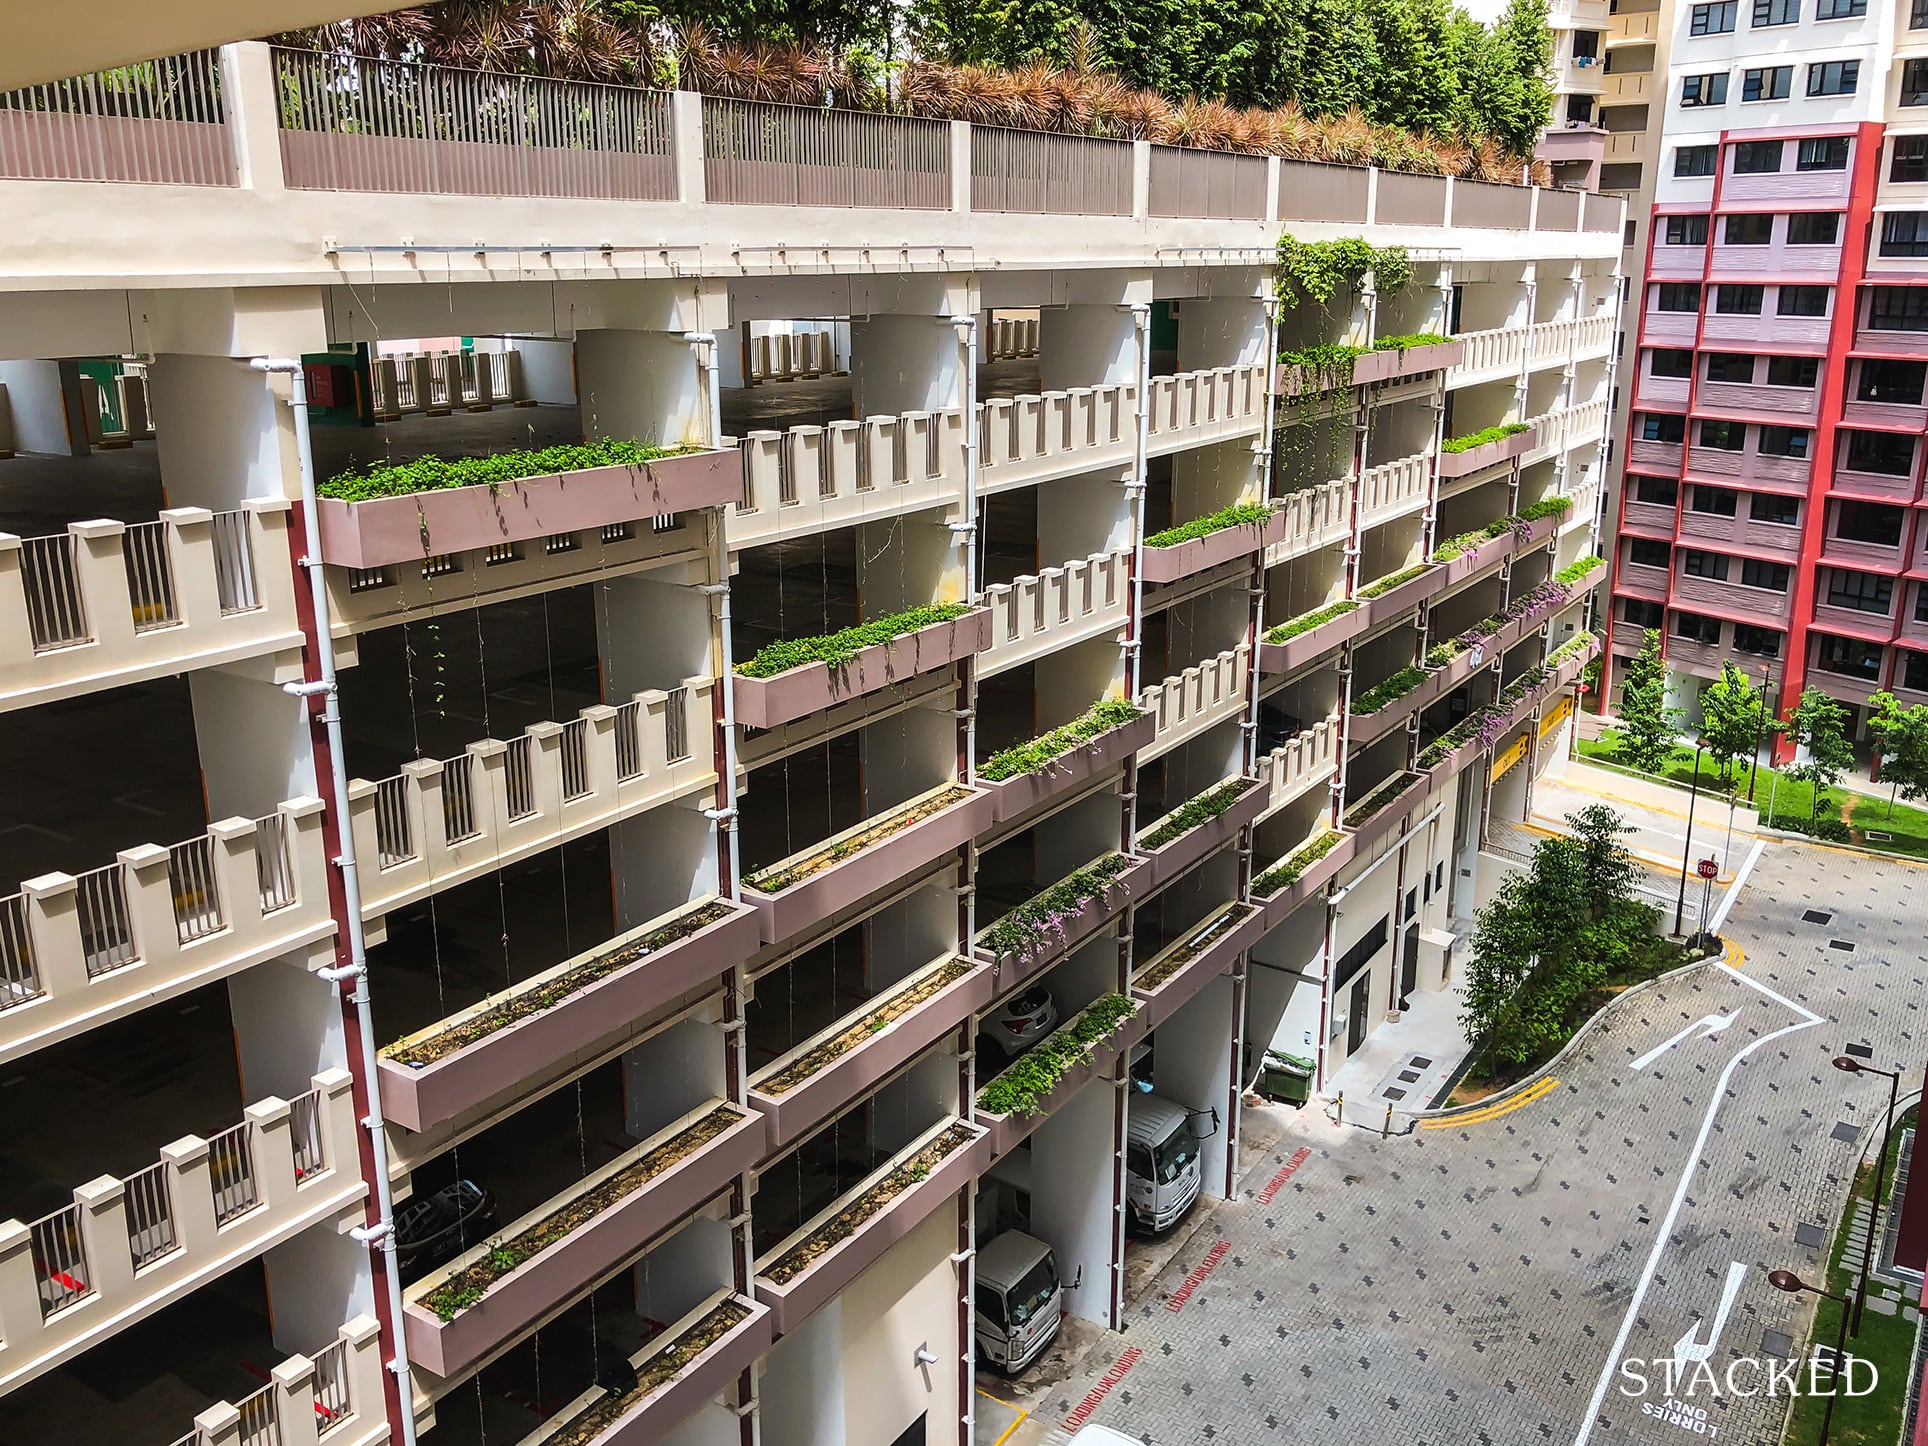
<point>1608,873</point>
<point>1902,734</point>
<point>1731,714</point>
<point>1647,725</point>
<point>1818,726</point>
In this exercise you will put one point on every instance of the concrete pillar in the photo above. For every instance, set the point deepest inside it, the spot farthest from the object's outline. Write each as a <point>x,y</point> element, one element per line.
<point>317,1280</point>
<point>670,1074</point>
<point>1194,1058</point>
<point>1086,345</point>
<point>802,1384</point>
<point>1205,479</point>
<point>294,1389</point>
<point>220,432</point>
<point>260,738</point>
<point>1072,1181</point>
<point>1079,516</point>
<point>907,562</point>
<point>46,402</point>
<point>1214,333</point>
<point>548,370</point>
<point>730,342</point>
<point>1075,678</point>
<point>287,1027</point>
<point>904,364</point>
<point>640,384</point>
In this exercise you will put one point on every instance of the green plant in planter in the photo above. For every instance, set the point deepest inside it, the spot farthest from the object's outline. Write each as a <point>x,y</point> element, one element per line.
<point>1038,754</point>
<point>1393,580</point>
<point>1546,507</point>
<point>1578,569</point>
<point>838,648</point>
<point>434,474</point>
<point>1397,686</point>
<point>1313,271</point>
<point>1409,341</point>
<point>1203,809</point>
<point>1239,514</point>
<point>1306,622</point>
<point>1019,1087</point>
<point>1480,438</point>
<point>1289,870</point>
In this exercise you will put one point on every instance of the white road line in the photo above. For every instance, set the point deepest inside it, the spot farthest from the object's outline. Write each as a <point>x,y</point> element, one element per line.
<point>1673,1210</point>
<point>1801,1009</point>
<point>1734,889</point>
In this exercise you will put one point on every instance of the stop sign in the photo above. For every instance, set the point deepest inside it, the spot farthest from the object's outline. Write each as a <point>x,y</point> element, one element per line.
<point>1707,869</point>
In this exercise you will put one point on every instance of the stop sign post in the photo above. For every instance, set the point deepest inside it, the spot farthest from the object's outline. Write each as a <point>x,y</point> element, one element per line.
<point>1708,871</point>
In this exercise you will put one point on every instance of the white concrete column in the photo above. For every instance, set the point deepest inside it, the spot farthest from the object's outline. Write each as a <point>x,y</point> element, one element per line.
<point>1079,516</point>
<point>730,341</point>
<point>901,363</point>
<point>1071,1194</point>
<point>802,1386</point>
<point>46,402</point>
<point>1195,1071</point>
<point>672,1073</point>
<point>548,370</point>
<point>256,742</point>
<point>640,384</point>
<point>907,562</point>
<point>318,1280</point>
<point>1086,345</point>
<point>222,437</point>
<point>1220,333</point>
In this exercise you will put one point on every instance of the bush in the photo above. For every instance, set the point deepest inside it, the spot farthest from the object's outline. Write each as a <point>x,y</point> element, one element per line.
<point>1290,869</point>
<point>433,474</point>
<point>1397,579</point>
<point>1832,830</point>
<point>1578,569</point>
<point>836,649</point>
<point>1204,808</point>
<point>1409,341</point>
<point>1394,688</point>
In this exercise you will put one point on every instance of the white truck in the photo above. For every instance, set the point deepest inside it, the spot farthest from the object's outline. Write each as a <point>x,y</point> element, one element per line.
<point>1161,1161</point>
<point>1020,1301</point>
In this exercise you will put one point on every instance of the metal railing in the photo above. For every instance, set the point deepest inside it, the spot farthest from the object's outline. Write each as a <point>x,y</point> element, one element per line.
<point>150,576</point>
<point>106,925</point>
<point>304,1132</point>
<point>157,121</point>
<point>458,798</point>
<point>274,865</point>
<point>234,564</point>
<point>676,732</point>
<point>574,752</point>
<point>19,980</point>
<point>197,900</point>
<point>1209,185</point>
<point>1038,173</point>
<point>352,124</point>
<point>518,777</point>
<point>629,741</point>
<point>150,1215</point>
<point>394,839</point>
<point>59,1259</point>
<point>334,1403</point>
<point>56,616</point>
<point>260,1417</point>
<point>231,1172</point>
<point>759,154</point>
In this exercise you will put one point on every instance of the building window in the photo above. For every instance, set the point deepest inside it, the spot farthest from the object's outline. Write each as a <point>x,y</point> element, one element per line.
<point>1891,454</point>
<point>1914,671</point>
<point>1886,379</point>
<point>1776,12</point>
<point>1814,228</point>
<point>1910,159</point>
<point>1673,362</point>
<point>1642,612</point>
<point>1586,45</point>
<point>1646,552</point>
<point>1783,442</point>
<point>1822,153</point>
<point>1771,508</point>
<point>1871,522</point>
<point>1656,491</point>
<point>1730,366</point>
<point>1772,82</point>
<point>1835,77</point>
<point>1762,642</point>
<point>1864,592</point>
<point>1898,308</point>
<point>1793,371</point>
<point>1914,82</point>
<point>1698,90</point>
<point>1695,628</point>
<point>1753,228</point>
<point>1713,501</point>
<point>1717,18</point>
<point>1677,295</point>
<point>1739,300</point>
<point>1841,9</point>
<point>1695,160</point>
<point>1686,231</point>
<point>1904,233</point>
<point>1850,657</point>
<point>1802,301</point>
<point>1712,565</point>
<point>1662,427</point>
<point>1771,576</point>
<point>1757,158</point>
<point>1918,15</point>
<point>1723,436</point>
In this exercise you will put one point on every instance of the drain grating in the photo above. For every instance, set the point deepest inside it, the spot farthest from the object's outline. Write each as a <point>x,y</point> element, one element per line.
<point>1808,1234</point>
<point>1409,1076</point>
<point>1817,916</point>
<point>1845,1132</point>
<point>1419,1061</point>
<point>1393,1093</point>
<point>1776,1344</point>
<point>1860,1051</point>
<point>1842,944</point>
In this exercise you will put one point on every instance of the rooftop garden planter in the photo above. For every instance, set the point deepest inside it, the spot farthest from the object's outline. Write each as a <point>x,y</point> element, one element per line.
<point>851,1234</point>
<point>677,1374</point>
<point>1050,924</point>
<point>562,1013</point>
<point>484,1298</point>
<point>1100,738</point>
<point>800,676</point>
<point>1199,827</point>
<point>802,891</point>
<point>1459,456</point>
<point>1399,592</point>
<point>1308,637</point>
<point>1300,874</point>
<point>1374,813</point>
<point>1013,1101</point>
<point>1230,533</point>
<point>417,509</point>
<point>1177,972</point>
<point>824,1073</point>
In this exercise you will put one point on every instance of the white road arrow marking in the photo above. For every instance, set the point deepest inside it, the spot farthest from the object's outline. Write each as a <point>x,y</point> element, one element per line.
<point>1709,1025</point>
<point>1690,1347</point>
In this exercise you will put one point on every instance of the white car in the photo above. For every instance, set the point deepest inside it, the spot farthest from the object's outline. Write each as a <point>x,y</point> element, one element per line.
<point>1022,1020</point>
<point>1096,1435</point>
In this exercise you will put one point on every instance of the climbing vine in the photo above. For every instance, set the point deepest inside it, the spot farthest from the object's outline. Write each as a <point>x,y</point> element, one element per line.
<point>1313,271</point>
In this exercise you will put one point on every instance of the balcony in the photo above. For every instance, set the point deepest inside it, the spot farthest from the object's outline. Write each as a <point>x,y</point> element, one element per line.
<point>1778,189</point>
<point>1473,553</point>
<point>1747,332</point>
<point>1584,144</point>
<point>1300,765</point>
<point>1315,517</point>
<point>1731,598</point>
<point>1878,486</point>
<point>104,604</point>
<point>1067,758</point>
<point>1166,982</point>
<point>1198,827</point>
<point>1851,622</point>
<point>1303,872</point>
<point>1897,416</point>
<point>1777,259</point>
<point>1654,518</point>
<point>1675,328</point>
<point>1394,489</point>
<point>1794,404</point>
<point>337,1396</point>
<point>78,951</point>
<point>1637,580</point>
<point>816,1263</point>
<point>126,1248</point>
<point>1490,355</point>
<point>1741,532</point>
<point>1384,807</point>
<point>487,1297</point>
<point>575,1010</point>
<point>823,1075</point>
<point>1837,551</point>
<point>442,822</point>
<point>1034,617</point>
<point>1391,597</point>
<point>1665,393</point>
<point>1013,1103</point>
<point>1205,695</point>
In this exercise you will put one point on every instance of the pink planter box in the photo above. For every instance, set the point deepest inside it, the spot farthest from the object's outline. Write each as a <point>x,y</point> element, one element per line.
<point>1155,1006</point>
<point>1384,366</point>
<point>387,530</point>
<point>1402,599</point>
<point>796,1300</point>
<point>1007,1131</point>
<point>1454,763</point>
<point>1497,549</point>
<point>1070,771</point>
<point>577,1027</point>
<point>811,1101</point>
<point>1182,560</point>
<point>1365,729</point>
<point>1458,464</point>
<point>1279,907</point>
<point>1013,969</point>
<point>702,1378</point>
<point>573,1264</point>
<point>769,702</point>
<point>1309,646</point>
<point>1388,817</point>
<point>1168,862</point>
<point>870,870</point>
<point>1291,380</point>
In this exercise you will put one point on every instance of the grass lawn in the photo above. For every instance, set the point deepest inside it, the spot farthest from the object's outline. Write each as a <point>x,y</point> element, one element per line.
<point>1886,1340</point>
<point>1907,826</point>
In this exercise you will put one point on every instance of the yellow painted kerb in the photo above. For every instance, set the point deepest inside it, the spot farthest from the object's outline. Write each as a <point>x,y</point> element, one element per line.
<point>1023,1415</point>
<point>1537,1090</point>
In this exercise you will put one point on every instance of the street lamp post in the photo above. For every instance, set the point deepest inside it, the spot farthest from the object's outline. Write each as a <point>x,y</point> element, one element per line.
<point>1687,849</point>
<point>1760,734</point>
<point>1849,1065</point>
<point>1788,1281</point>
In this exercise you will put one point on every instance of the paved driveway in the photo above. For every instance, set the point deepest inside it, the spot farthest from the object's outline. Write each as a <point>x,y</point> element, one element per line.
<point>1482,1283</point>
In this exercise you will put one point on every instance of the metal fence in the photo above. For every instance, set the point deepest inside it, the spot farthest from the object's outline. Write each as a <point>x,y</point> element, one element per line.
<point>1031,172</point>
<point>197,900</point>
<point>274,865</point>
<point>231,1171</point>
<point>1558,211</point>
<point>574,753</point>
<point>234,564</point>
<point>150,576</point>
<point>19,980</point>
<point>1488,204</point>
<point>1209,185</point>
<point>106,926</point>
<point>157,121</point>
<point>1410,200</point>
<point>518,777</point>
<point>304,1130</point>
<point>458,798</point>
<point>394,838</point>
<point>56,616</point>
<point>150,1215</point>
<point>676,731</point>
<point>260,1418</point>
<point>629,741</point>
<point>759,154</point>
<point>353,124</point>
<point>1315,192</point>
<point>333,1401</point>
<point>59,1259</point>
